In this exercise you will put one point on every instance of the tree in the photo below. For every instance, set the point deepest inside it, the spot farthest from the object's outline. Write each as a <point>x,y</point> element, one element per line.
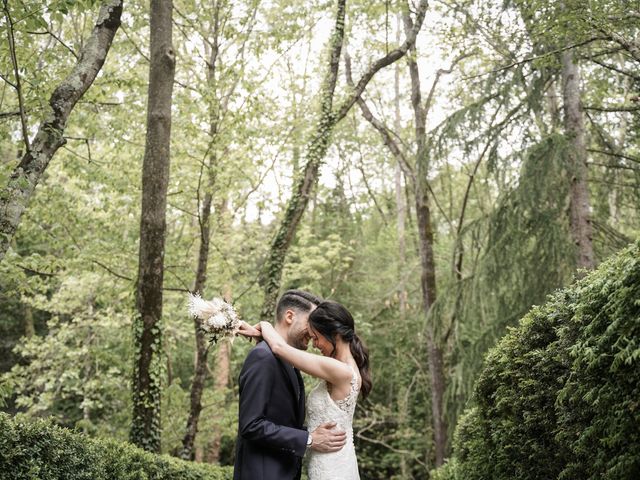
<point>579,204</point>
<point>15,196</point>
<point>220,87</point>
<point>145,427</point>
<point>318,145</point>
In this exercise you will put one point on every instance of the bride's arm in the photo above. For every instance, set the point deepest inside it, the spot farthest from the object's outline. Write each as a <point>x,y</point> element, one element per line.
<point>329,369</point>
<point>248,331</point>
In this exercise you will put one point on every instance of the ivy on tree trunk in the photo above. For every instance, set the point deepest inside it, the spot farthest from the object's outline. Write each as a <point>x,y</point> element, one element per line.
<point>145,427</point>
<point>317,148</point>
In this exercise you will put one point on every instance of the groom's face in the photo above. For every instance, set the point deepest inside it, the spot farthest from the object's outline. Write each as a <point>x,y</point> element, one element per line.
<point>298,334</point>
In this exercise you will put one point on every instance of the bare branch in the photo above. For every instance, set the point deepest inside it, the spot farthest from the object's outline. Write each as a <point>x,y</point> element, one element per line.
<point>535,57</point>
<point>438,206</point>
<point>7,81</point>
<point>629,45</point>
<point>57,38</point>
<point>613,154</point>
<point>613,68</point>
<point>614,166</point>
<point>388,59</point>
<point>384,131</point>
<point>614,108</point>
<point>16,73</point>
<point>135,45</point>
<point>35,272</point>
<point>9,114</point>
<point>361,169</point>
<point>112,272</point>
<point>439,73</point>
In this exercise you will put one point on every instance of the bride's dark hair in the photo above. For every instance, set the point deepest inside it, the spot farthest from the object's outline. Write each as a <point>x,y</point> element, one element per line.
<point>330,319</point>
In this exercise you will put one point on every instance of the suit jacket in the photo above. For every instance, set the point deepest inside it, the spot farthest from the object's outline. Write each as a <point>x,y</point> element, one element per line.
<point>271,439</point>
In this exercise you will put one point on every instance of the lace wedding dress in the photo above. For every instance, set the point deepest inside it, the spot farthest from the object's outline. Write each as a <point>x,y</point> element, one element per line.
<point>321,408</point>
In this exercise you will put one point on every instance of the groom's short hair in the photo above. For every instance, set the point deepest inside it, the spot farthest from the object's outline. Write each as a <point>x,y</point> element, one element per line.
<point>297,300</point>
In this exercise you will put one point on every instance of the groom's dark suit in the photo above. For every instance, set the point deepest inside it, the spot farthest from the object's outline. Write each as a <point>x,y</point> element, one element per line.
<point>271,439</point>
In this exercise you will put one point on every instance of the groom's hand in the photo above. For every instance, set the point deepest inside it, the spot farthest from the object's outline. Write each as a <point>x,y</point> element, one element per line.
<point>250,331</point>
<point>327,439</point>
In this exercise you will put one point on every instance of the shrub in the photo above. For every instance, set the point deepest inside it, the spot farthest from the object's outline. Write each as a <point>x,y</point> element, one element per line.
<point>559,396</point>
<point>39,450</point>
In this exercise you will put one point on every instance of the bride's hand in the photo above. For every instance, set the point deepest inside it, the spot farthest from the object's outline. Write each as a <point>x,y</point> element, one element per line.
<point>269,333</point>
<point>249,331</point>
<point>265,327</point>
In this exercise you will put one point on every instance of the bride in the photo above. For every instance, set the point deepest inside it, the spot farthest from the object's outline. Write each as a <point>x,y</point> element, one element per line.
<point>344,367</point>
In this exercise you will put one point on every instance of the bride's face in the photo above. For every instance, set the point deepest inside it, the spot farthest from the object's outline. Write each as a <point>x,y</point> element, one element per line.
<point>320,342</point>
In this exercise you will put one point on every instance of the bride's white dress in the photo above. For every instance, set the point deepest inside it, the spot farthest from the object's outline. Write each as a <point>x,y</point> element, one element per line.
<point>321,408</point>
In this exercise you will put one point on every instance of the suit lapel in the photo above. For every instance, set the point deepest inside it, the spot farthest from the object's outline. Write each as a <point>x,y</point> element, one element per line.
<point>301,397</point>
<point>292,379</point>
<point>296,385</point>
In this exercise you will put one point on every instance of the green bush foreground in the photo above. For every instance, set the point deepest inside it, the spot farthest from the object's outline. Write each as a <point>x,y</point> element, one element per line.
<point>559,396</point>
<point>39,450</point>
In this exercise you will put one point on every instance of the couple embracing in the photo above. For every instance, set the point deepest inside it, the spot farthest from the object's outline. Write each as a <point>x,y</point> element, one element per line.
<point>273,436</point>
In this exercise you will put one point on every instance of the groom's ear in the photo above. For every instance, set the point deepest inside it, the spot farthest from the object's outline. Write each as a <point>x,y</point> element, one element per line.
<point>288,316</point>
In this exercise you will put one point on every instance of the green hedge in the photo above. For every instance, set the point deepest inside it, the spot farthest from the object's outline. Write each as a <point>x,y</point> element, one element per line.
<point>559,396</point>
<point>39,450</point>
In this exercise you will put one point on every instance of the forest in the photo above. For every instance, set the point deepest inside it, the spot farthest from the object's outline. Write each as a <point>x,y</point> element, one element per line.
<point>462,175</point>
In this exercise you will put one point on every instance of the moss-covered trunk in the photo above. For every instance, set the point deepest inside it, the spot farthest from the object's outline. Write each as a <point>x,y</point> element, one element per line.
<point>315,153</point>
<point>16,194</point>
<point>319,144</point>
<point>145,427</point>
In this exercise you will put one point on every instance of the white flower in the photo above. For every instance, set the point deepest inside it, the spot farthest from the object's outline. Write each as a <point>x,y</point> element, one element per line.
<point>198,307</point>
<point>217,321</point>
<point>218,303</point>
<point>219,318</point>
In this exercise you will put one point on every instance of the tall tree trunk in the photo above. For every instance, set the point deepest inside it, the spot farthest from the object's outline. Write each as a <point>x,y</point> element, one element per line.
<point>429,293</point>
<point>418,179</point>
<point>16,194</point>
<point>218,108</point>
<point>401,213</point>
<point>579,205</point>
<point>401,207</point>
<point>427,263</point>
<point>202,349</point>
<point>145,428</point>
<point>318,146</point>
<point>220,383</point>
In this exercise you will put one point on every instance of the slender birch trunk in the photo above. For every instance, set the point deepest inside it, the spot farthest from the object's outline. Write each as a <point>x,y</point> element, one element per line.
<point>202,348</point>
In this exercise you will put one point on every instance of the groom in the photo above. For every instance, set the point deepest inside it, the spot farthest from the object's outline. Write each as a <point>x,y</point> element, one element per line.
<point>271,438</point>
